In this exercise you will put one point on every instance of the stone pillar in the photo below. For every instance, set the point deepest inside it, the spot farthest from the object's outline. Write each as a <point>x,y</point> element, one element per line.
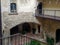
<point>36,29</point>
<point>20,28</point>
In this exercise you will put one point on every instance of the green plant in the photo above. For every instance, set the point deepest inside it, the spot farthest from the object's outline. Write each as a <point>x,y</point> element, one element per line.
<point>50,41</point>
<point>35,42</point>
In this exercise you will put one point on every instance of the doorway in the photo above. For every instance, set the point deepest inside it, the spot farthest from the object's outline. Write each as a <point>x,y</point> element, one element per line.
<point>57,35</point>
<point>39,7</point>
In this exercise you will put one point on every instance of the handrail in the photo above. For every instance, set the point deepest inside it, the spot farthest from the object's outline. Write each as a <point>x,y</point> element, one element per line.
<point>50,10</point>
<point>54,11</point>
<point>49,14</point>
<point>10,36</point>
<point>37,10</point>
<point>18,34</point>
<point>36,39</point>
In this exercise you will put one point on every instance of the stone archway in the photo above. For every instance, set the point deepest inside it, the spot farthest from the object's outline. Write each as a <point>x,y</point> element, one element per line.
<point>57,35</point>
<point>26,27</point>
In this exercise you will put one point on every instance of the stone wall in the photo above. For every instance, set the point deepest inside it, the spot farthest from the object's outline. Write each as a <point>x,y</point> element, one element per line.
<point>26,14</point>
<point>50,26</point>
<point>10,21</point>
<point>50,3</point>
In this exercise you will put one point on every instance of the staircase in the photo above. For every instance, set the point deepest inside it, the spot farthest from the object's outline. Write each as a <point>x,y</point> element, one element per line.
<point>19,39</point>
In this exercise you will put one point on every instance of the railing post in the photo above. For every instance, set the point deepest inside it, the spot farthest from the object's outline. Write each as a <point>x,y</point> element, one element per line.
<point>9,42</point>
<point>5,41</point>
<point>43,12</point>
<point>55,14</point>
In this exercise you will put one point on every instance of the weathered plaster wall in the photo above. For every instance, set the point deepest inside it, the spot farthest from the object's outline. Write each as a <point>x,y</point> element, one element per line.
<point>50,3</point>
<point>25,13</point>
<point>13,20</point>
<point>50,26</point>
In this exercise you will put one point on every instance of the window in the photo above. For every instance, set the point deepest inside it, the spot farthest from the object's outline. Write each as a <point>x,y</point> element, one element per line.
<point>13,7</point>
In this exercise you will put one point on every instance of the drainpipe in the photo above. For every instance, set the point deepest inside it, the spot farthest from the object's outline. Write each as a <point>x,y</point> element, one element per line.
<point>0,25</point>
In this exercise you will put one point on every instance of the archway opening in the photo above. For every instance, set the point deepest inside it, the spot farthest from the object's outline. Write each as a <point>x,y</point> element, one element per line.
<point>14,30</point>
<point>26,28</point>
<point>39,7</point>
<point>57,35</point>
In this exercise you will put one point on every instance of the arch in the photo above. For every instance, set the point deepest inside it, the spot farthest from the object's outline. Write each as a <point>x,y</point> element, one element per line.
<point>26,28</point>
<point>57,35</point>
<point>22,23</point>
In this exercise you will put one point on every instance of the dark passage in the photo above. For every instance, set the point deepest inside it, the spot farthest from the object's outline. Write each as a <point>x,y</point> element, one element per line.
<point>14,30</point>
<point>39,7</point>
<point>26,28</point>
<point>38,28</point>
<point>57,35</point>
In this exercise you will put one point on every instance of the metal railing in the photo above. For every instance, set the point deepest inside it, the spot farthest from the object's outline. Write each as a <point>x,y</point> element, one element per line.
<point>54,14</point>
<point>18,39</point>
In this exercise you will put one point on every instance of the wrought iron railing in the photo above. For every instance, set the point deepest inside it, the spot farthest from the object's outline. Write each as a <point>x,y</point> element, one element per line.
<point>19,39</point>
<point>53,14</point>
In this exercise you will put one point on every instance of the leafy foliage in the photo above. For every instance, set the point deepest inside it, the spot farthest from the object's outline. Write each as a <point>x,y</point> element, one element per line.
<point>50,41</point>
<point>35,42</point>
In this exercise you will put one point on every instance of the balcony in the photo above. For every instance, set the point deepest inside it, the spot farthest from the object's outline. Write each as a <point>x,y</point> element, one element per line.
<point>51,14</point>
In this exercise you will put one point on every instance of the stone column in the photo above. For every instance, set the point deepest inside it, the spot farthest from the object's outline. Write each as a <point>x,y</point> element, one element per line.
<point>36,29</point>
